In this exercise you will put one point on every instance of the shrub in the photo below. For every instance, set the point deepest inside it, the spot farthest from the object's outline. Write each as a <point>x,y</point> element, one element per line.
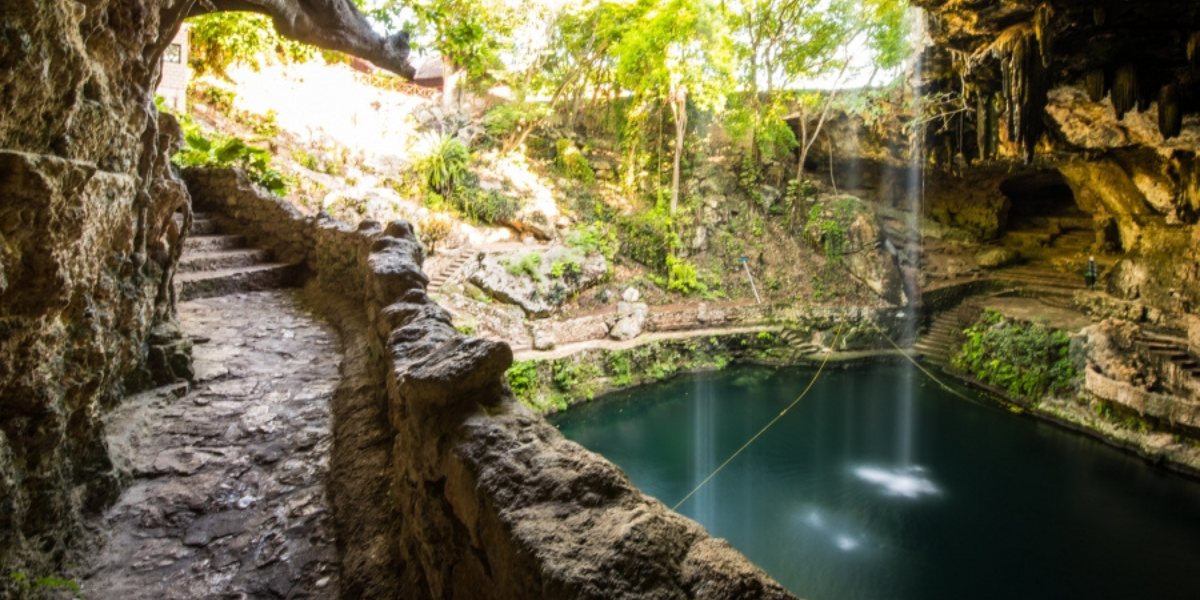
<point>567,268</point>
<point>483,206</point>
<point>508,116</point>
<point>828,226</point>
<point>434,229</point>
<point>572,163</point>
<point>596,237</point>
<point>1029,360</point>
<point>441,162</point>
<point>523,378</point>
<point>682,277</point>
<point>649,238</point>
<point>226,151</point>
<point>528,265</point>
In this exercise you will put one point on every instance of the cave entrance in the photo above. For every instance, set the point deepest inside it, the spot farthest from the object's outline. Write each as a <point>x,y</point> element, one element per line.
<point>1044,220</point>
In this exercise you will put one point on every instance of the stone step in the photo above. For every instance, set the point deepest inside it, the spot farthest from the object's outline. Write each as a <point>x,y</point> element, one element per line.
<point>205,226</point>
<point>212,243</point>
<point>206,284</point>
<point>222,259</point>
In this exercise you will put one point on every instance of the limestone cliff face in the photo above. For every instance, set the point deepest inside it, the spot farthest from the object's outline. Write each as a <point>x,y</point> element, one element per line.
<point>86,249</point>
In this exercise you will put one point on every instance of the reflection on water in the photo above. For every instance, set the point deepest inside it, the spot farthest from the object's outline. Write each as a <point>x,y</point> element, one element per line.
<point>909,482</point>
<point>862,493</point>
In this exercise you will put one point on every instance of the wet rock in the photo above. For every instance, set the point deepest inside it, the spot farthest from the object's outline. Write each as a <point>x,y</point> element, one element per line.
<point>210,527</point>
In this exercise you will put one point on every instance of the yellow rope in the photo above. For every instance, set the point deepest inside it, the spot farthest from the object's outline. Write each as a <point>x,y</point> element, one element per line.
<point>768,425</point>
<point>926,371</point>
<point>804,393</point>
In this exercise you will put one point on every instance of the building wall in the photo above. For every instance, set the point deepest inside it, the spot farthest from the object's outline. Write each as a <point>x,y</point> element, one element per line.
<point>175,72</point>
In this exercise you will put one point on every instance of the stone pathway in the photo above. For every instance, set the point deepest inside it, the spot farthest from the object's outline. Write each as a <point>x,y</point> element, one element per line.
<point>227,498</point>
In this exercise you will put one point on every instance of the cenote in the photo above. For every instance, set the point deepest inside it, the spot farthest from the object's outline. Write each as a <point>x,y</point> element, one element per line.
<point>875,488</point>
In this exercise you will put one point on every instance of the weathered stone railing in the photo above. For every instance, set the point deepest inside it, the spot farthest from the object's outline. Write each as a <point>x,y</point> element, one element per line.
<point>495,502</point>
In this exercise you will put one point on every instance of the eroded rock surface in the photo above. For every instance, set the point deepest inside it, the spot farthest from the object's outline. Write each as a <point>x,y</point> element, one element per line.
<point>227,498</point>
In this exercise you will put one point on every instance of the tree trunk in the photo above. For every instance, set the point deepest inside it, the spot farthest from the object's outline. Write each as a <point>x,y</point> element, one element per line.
<point>679,107</point>
<point>450,85</point>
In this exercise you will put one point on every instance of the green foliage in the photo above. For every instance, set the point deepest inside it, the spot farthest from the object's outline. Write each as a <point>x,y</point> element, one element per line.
<point>506,117</point>
<point>572,162</point>
<point>432,230</point>
<point>683,277</point>
<point>485,206</point>
<point>829,226</point>
<point>528,265</point>
<point>441,162</point>
<point>596,237</point>
<point>649,238</point>
<point>1029,360</point>
<point>471,33</point>
<point>24,583</point>
<point>568,268</point>
<point>564,375</point>
<point>219,98</point>
<point>557,294</point>
<point>620,368</point>
<point>222,151</point>
<point>221,39</point>
<point>523,378</point>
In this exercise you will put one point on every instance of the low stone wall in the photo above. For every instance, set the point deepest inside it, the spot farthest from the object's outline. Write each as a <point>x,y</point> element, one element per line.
<point>495,502</point>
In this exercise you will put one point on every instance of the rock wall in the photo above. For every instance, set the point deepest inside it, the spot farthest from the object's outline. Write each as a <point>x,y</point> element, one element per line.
<point>87,248</point>
<point>495,502</point>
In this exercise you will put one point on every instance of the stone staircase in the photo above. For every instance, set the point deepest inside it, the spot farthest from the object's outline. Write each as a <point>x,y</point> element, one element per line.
<point>215,263</point>
<point>934,345</point>
<point>1171,349</point>
<point>449,270</point>
<point>1049,285</point>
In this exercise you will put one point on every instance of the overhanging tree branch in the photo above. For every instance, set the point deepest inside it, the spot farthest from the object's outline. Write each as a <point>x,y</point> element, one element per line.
<point>330,24</point>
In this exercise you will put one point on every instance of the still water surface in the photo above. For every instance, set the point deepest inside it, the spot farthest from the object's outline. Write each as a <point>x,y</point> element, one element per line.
<point>872,488</point>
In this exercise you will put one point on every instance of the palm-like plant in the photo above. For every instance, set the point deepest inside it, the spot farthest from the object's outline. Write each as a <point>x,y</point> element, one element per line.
<point>442,162</point>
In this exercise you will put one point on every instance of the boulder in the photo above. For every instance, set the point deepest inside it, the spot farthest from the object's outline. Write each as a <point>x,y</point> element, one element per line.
<point>631,294</point>
<point>517,278</point>
<point>631,318</point>
<point>991,258</point>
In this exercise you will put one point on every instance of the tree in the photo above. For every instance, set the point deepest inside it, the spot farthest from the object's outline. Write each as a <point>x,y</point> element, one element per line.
<point>469,34</point>
<point>677,50</point>
<point>783,43</point>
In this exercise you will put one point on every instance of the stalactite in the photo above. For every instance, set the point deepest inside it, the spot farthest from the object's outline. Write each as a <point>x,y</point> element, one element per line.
<point>1125,89</point>
<point>1193,49</point>
<point>1024,86</point>
<point>1045,36</point>
<point>1099,15</point>
<point>994,125</point>
<point>1170,118</point>
<point>1095,85</point>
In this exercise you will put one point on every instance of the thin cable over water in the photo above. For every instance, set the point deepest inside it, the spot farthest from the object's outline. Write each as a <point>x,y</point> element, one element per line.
<point>768,425</point>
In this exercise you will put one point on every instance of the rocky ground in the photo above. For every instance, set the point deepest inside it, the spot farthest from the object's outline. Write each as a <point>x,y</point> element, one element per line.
<point>228,494</point>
